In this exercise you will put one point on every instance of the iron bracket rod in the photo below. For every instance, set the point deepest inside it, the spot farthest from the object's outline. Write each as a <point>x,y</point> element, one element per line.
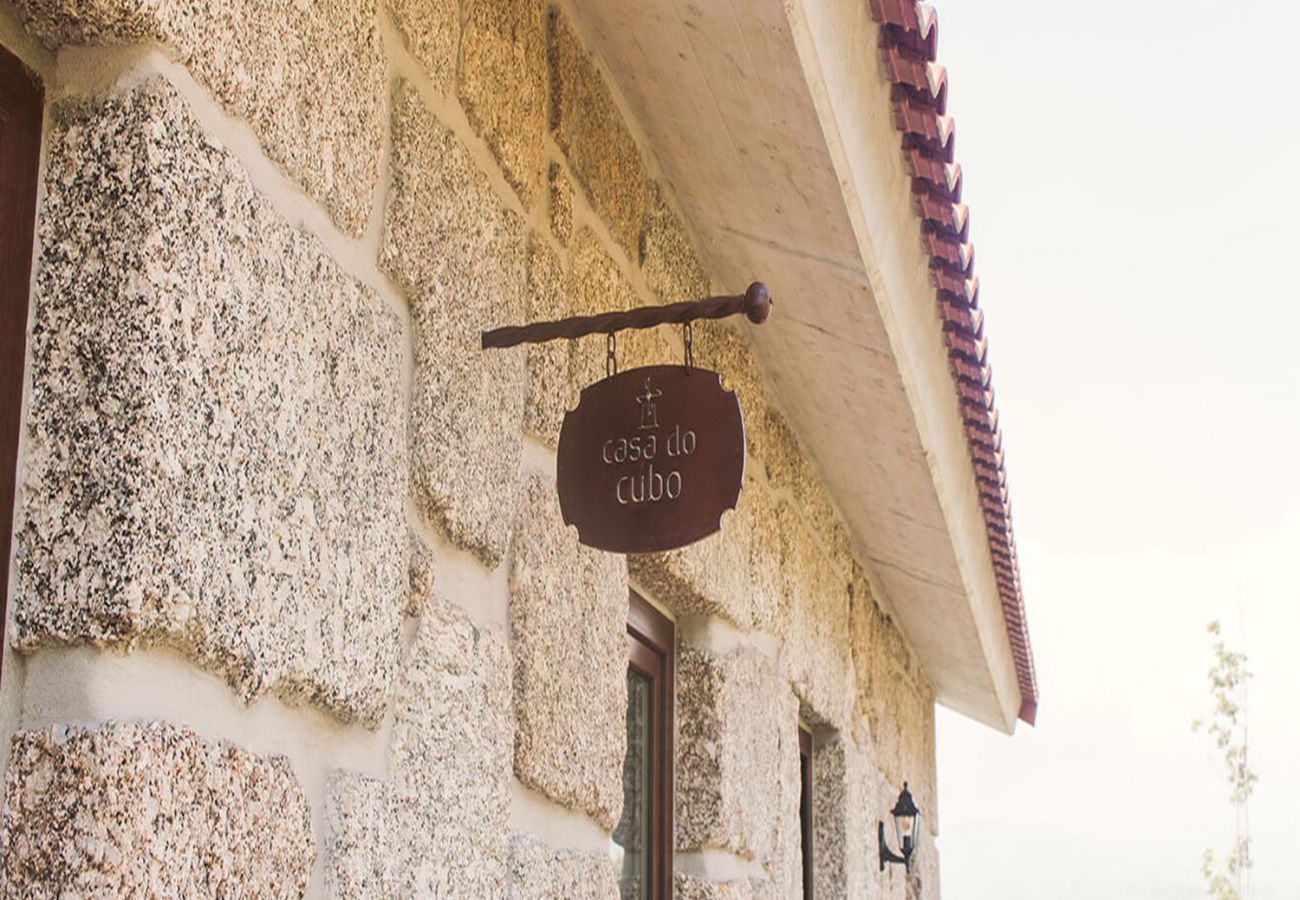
<point>755,303</point>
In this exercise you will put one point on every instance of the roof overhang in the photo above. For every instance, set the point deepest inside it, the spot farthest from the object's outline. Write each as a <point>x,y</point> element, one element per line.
<point>777,126</point>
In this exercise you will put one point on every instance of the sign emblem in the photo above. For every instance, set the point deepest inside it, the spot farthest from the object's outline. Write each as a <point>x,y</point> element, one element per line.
<point>651,459</point>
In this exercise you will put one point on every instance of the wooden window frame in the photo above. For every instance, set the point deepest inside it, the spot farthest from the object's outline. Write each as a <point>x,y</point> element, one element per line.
<point>807,832</point>
<point>22,101</point>
<point>651,651</point>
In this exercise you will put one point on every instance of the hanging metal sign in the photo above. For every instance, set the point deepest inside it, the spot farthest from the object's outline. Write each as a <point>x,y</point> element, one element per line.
<point>651,459</point>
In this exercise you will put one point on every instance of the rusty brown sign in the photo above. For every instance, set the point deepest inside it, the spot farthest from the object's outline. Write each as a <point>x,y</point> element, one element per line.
<point>651,459</point>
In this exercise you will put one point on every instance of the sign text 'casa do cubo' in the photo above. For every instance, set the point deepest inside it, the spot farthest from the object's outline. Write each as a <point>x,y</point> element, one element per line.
<point>652,457</point>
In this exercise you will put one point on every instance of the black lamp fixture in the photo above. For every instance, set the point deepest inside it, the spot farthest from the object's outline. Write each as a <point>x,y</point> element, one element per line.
<point>905,815</point>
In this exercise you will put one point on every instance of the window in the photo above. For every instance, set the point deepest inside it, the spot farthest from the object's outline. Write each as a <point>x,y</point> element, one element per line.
<point>806,809</point>
<point>21,99</point>
<point>644,836</point>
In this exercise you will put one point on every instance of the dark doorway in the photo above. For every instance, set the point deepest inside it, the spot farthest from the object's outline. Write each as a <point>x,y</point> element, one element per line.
<point>645,833</point>
<point>806,809</point>
<point>21,101</point>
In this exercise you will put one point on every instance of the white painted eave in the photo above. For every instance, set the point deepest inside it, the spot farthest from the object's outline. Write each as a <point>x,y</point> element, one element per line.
<point>771,121</point>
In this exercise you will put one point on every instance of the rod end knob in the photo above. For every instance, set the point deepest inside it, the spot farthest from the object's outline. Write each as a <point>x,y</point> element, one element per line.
<point>758,302</point>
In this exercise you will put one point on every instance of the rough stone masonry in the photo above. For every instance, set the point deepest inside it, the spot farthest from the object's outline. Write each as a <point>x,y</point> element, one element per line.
<point>260,437</point>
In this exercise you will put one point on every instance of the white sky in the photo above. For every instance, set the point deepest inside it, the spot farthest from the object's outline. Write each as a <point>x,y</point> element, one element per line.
<point>1131,171</point>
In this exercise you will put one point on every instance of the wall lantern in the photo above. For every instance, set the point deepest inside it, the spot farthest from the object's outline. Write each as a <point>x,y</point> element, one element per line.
<point>905,815</point>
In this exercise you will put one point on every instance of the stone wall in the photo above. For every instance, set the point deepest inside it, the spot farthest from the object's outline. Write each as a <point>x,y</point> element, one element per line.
<point>216,448</point>
<point>130,810</point>
<point>260,437</point>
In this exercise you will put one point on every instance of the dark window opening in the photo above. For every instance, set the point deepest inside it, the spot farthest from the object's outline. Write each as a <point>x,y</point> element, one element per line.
<point>806,809</point>
<point>21,100</point>
<point>645,832</point>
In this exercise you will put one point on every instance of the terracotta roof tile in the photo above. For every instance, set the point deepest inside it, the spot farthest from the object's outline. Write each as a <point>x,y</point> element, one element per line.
<point>936,175</point>
<point>908,69</point>
<point>931,129</point>
<point>947,248</point>
<point>908,47</point>
<point>943,213</point>
<point>970,319</point>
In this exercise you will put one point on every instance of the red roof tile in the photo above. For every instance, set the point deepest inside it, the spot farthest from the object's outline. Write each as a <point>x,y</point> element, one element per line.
<point>909,39</point>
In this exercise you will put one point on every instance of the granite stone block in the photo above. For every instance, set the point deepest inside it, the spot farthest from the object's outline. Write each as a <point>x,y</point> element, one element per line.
<point>568,622</point>
<point>817,657</point>
<point>832,823</point>
<point>734,574</point>
<point>502,85</point>
<point>668,259</point>
<point>150,810</point>
<point>431,30</point>
<point>551,387</point>
<point>458,253</point>
<point>447,791</point>
<point>561,198</point>
<point>893,706</point>
<point>308,78</point>
<point>216,452</point>
<point>589,128</point>
<point>792,472</point>
<point>725,349</point>
<point>420,575</point>
<point>559,370</point>
<point>695,887</point>
<point>784,864</point>
<point>732,713</point>
<point>597,284</point>
<point>358,850</point>
<point>539,873</point>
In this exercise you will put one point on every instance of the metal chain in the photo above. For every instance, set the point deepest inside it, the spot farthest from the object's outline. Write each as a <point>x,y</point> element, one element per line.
<point>688,337</point>
<point>611,363</point>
